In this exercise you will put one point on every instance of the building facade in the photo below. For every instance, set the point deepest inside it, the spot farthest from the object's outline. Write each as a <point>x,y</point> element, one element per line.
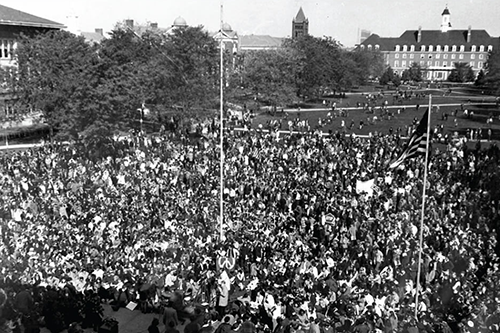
<point>13,23</point>
<point>300,25</point>
<point>436,51</point>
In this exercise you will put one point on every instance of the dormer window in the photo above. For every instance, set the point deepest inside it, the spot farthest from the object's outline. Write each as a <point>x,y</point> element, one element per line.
<point>397,48</point>
<point>473,48</point>
<point>430,48</point>
<point>462,48</point>
<point>438,48</point>
<point>412,48</point>
<point>481,48</point>
<point>454,48</point>
<point>490,48</point>
<point>377,47</point>
<point>422,48</point>
<point>369,47</point>
<point>405,48</point>
<point>446,48</point>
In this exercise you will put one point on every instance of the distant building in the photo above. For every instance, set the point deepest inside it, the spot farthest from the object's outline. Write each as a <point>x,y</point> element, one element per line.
<point>300,25</point>
<point>229,38</point>
<point>363,35</point>
<point>435,50</point>
<point>94,37</point>
<point>259,42</point>
<point>14,22</point>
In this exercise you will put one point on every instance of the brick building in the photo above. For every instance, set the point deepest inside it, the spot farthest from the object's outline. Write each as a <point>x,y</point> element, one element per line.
<point>435,50</point>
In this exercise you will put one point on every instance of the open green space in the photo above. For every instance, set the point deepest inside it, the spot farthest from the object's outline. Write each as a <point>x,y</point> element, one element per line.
<point>401,114</point>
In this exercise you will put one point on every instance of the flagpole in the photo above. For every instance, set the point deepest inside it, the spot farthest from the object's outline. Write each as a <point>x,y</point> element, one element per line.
<point>221,213</point>
<point>423,205</point>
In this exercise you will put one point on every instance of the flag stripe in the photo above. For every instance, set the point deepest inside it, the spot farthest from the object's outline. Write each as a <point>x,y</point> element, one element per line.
<point>417,144</point>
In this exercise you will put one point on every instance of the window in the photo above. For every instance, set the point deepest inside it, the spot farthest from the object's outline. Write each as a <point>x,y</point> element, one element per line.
<point>445,63</point>
<point>473,48</point>
<point>411,55</point>
<point>430,48</point>
<point>438,48</point>
<point>396,63</point>
<point>481,48</point>
<point>473,56</point>
<point>397,48</point>
<point>446,48</point>
<point>396,55</point>
<point>422,63</point>
<point>472,64</point>
<point>438,56</point>
<point>422,56</point>
<point>429,63</point>
<point>490,48</point>
<point>480,64</point>
<point>404,55</point>
<point>462,48</point>
<point>445,56</point>
<point>460,56</point>
<point>377,47</point>
<point>362,47</point>
<point>405,48</point>
<point>412,48</point>
<point>481,56</point>
<point>369,47</point>
<point>453,56</point>
<point>403,63</point>
<point>436,63</point>
<point>6,48</point>
<point>454,48</point>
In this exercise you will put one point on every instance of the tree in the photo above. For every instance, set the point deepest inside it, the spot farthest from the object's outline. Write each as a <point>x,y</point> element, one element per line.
<point>269,75</point>
<point>480,79</point>
<point>492,71</point>
<point>462,72</point>
<point>368,64</point>
<point>414,73</point>
<point>390,77</point>
<point>53,69</point>
<point>195,78</point>
<point>321,65</point>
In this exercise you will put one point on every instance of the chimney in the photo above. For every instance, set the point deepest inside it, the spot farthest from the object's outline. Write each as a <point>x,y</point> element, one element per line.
<point>99,31</point>
<point>419,35</point>
<point>154,25</point>
<point>469,33</point>
<point>129,23</point>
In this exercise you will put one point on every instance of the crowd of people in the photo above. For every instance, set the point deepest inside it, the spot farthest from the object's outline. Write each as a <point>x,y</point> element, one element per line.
<point>302,247</point>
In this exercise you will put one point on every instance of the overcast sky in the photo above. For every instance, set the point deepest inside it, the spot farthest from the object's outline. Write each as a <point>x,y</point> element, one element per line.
<point>338,19</point>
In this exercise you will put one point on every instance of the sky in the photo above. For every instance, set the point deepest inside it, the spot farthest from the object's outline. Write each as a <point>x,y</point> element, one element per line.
<point>341,20</point>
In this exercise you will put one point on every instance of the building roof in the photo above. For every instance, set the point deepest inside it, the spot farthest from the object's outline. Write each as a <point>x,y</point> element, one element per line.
<point>10,16</point>
<point>260,41</point>
<point>433,37</point>
<point>179,22</point>
<point>94,37</point>
<point>300,16</point>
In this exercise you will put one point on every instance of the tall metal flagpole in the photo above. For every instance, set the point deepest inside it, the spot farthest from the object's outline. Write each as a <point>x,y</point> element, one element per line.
<point>423,205</point>
<point>221,213</point>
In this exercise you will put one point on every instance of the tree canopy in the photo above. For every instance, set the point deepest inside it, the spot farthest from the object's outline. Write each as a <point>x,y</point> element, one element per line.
<point>84,89</point>
<point>462,72</point>
<point>491,77</point>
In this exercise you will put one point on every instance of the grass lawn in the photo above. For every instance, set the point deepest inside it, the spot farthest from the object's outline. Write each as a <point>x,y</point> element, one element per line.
<point>403,114</point>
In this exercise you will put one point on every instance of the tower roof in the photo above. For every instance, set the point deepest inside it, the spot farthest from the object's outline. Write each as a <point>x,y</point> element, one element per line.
<point>300,16</point>
<point>10,16</point>
<point>446,11</point>
<point>180,22</point>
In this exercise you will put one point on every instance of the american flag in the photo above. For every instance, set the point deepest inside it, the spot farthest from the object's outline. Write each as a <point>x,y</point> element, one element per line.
<point>417,144</point>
